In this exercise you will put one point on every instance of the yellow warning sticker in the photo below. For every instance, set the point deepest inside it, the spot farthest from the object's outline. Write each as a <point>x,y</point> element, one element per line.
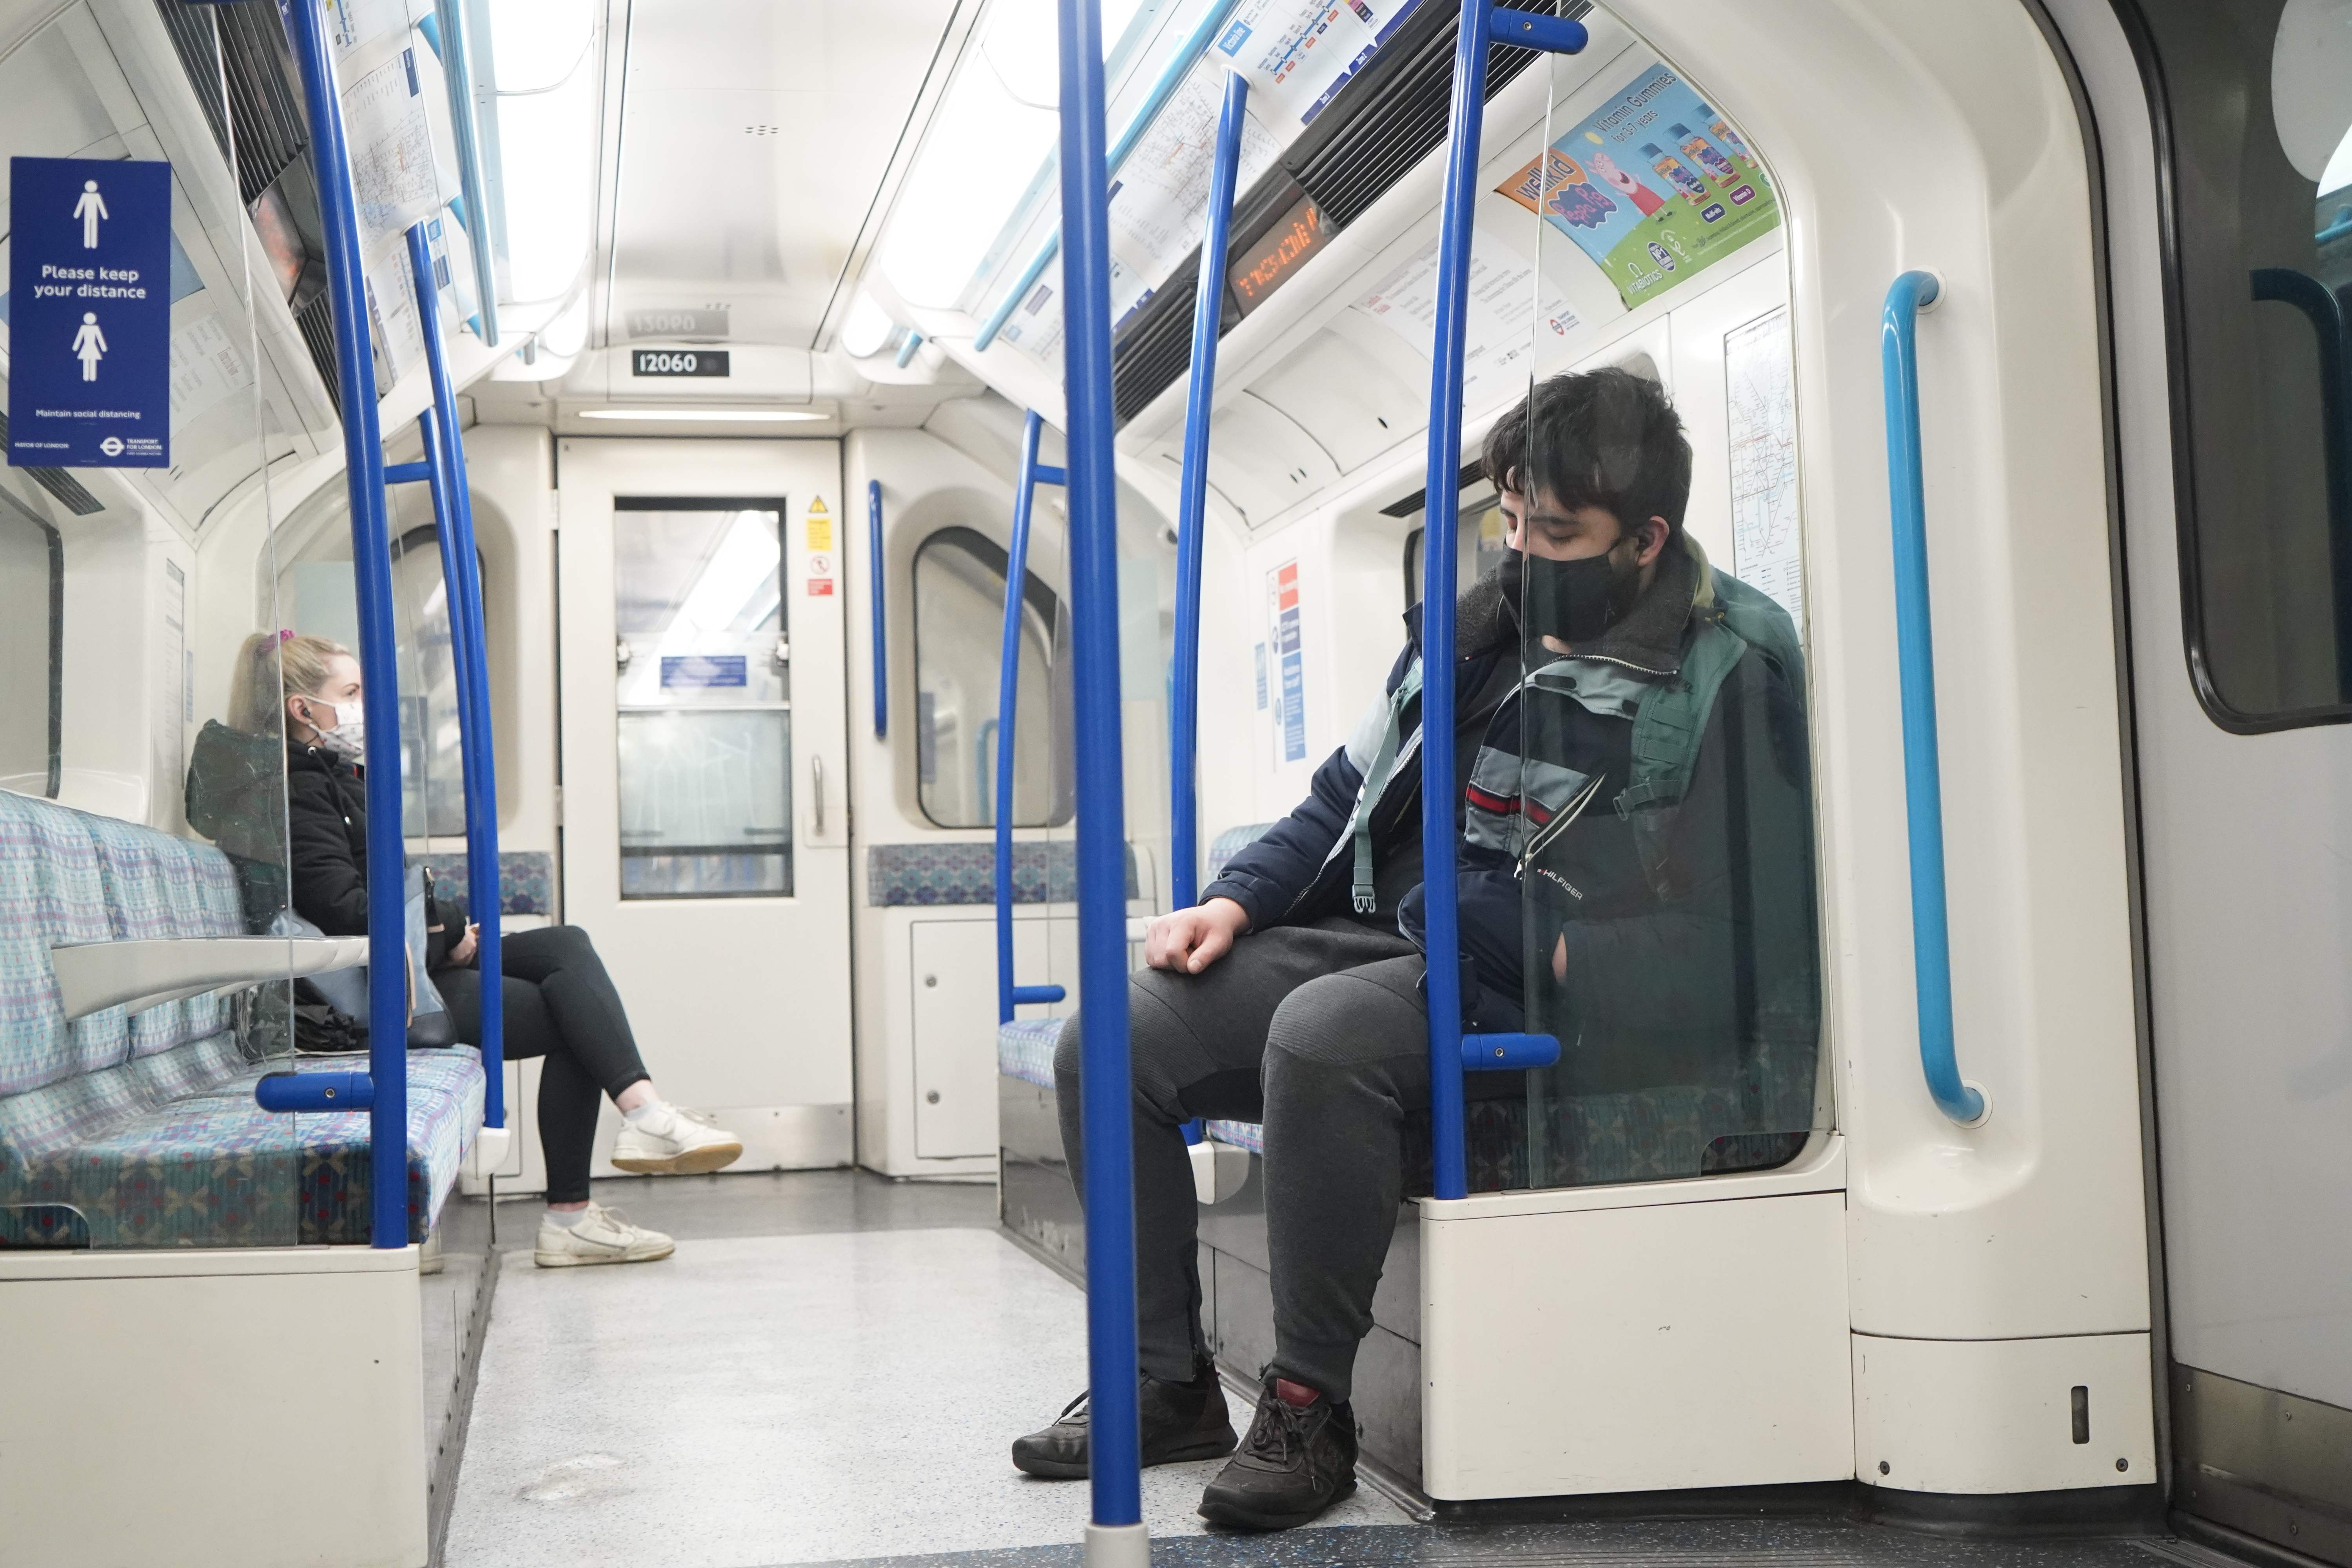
<point>819,525</point>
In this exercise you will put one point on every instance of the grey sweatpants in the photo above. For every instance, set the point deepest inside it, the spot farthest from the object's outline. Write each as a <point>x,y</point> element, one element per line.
<point>1321,1033</point>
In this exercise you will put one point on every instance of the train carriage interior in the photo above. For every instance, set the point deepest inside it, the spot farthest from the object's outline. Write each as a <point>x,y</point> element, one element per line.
<point>712,781</point>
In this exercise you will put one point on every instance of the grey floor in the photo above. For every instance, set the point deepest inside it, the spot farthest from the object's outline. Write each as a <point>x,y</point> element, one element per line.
<point>828,1373</point>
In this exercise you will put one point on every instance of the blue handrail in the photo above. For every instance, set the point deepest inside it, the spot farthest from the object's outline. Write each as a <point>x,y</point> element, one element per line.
<point>371,574</point>
<point>1915,644</point>
<point>1116,1533</point>
<point>1450,1051</point>
<point>1192,502</point>
<point>461,577</point>
<point>1171,76</point>
<point>881,577</point>
<point>1008,703</point>
<point>458,71</point>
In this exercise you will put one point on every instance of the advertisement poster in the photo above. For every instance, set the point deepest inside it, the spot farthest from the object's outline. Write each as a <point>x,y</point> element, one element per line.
<point>1654,186</point>
<point>1288,651</point>
<point>1499,334</point>
<point>1760,384</point>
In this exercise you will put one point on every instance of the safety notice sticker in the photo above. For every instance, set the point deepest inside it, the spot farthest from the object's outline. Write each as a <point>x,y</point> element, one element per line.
<point>89,313</point>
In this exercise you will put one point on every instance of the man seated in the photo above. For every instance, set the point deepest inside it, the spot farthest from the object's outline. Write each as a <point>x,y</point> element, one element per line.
<point>1292,994</point>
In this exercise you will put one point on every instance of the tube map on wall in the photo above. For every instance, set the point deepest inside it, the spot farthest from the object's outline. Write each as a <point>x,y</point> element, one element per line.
<point>1654,186</point>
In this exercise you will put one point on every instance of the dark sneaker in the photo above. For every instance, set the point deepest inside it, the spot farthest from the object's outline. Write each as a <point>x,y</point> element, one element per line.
<point>1181,1421</point>
<point>1297,1460</point>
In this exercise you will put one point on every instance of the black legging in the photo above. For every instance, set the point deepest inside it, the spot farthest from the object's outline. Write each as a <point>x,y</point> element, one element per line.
<point>561,1004</point>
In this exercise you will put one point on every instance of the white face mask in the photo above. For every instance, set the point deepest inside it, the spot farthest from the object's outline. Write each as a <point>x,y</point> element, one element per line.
<point>348,739</point>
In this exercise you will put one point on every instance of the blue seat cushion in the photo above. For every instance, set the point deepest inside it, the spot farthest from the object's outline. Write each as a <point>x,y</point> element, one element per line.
<point>526,881</point>
<point>1025,1049</point>
<point>208,1167</point>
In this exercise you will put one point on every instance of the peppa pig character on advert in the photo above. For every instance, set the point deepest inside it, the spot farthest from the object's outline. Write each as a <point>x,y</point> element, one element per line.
<point>1574,199</point>
<point>1644,198</point>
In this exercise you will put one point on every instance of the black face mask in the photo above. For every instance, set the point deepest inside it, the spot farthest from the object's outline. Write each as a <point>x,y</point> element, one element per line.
<point>1576,601</point>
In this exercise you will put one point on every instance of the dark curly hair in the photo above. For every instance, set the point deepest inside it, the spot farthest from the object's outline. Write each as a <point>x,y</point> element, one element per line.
<point>1605,437</point>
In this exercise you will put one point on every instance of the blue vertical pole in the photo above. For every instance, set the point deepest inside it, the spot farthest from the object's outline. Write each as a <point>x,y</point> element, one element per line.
<point>371,574</point>
<point>461,580</point>
<point>1116,1534</point>
<point>1192,501</point>
<point>881,577</point>
<point>1440,913</point>
<point>1008,698</point>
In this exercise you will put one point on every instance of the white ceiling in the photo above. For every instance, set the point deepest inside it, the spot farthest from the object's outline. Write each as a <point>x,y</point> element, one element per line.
<point>754,136</point>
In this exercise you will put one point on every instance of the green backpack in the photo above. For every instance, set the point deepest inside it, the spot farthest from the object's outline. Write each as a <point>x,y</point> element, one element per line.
<point>1672,718</point>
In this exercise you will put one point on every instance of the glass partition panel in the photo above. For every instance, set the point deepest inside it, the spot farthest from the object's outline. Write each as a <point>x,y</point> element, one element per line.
<point>155,812</point>
<point>705,696</point>
<point>1652,802</point>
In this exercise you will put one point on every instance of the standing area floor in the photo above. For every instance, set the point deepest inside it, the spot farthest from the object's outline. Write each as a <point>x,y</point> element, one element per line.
<point>831,1370</point>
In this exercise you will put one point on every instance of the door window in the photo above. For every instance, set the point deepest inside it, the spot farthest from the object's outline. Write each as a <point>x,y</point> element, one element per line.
<point>2257,97</point>
<point>958,653</point>
<point>704,693</point>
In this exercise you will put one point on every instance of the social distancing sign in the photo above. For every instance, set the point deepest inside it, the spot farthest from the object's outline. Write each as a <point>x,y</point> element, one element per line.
<point>89,313</point>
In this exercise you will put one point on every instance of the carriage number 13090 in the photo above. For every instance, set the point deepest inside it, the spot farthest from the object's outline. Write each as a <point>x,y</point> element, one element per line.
<point>678,362</point>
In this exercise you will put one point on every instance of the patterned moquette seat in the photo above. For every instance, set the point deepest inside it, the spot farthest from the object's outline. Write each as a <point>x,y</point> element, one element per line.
<point>140,1130</point>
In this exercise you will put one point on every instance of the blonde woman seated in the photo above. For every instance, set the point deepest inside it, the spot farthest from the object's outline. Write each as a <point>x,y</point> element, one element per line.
<point>560,1003</point>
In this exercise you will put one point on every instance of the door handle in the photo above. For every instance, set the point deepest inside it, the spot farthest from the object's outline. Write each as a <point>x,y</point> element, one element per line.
<point>816,787</point>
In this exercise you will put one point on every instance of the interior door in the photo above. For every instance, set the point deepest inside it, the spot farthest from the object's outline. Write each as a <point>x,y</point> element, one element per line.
<point>2242,599</point>
<point>705,831</point>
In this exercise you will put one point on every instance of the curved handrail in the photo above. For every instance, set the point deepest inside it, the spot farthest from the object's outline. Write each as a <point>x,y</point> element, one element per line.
<point>372,576</point>
<point>1192,501</point>
<point>1008,701</point>
<point>1923,788</point>
<point>461,576</point>
<point>458,71</point>
<point>1172,75</point>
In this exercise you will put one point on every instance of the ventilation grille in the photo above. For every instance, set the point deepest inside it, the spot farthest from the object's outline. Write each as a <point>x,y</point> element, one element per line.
<point>317,321</point>
<point>270,131</point>
<point>1388,118</point>
<point>1158,348</point>
<point>57,483</point>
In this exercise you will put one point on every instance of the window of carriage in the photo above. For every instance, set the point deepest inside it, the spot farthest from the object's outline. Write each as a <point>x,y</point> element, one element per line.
<point>2257,107</point>
<point>960,575</point>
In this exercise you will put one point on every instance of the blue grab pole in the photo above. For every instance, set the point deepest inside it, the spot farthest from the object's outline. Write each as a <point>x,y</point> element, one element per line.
<point>1171,76</point>
<point>371,574</point>
<point>1440,912</point>
<point>461,577</point>
<point>458,71</point>
<point>1192,501</point>
<point>1008,701</point>
<point>881,620</point>
<point>1914,643</point>
<point>1440,906</point>
<point>1116,1534</point>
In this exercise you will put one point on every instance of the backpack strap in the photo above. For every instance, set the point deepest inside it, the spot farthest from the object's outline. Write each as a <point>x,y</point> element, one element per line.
<point>1376,780</point>
<point>1672,720</point>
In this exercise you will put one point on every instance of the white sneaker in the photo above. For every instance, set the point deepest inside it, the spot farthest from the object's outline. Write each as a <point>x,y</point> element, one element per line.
<point>674,1143</point>
<point>602,1235</point>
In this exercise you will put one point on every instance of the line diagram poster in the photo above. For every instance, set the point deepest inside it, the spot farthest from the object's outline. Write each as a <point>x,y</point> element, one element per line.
<point>1654,186</point>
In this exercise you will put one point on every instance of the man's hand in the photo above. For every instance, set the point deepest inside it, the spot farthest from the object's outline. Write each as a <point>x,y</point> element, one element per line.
<point>1189,941</point>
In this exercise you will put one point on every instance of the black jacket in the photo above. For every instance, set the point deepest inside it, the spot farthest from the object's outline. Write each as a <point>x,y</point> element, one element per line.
<point>326,819</point>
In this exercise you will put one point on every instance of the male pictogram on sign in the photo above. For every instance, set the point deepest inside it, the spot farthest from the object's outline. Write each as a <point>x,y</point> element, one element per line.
<point>90,345</point>
<point>91,209</point>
